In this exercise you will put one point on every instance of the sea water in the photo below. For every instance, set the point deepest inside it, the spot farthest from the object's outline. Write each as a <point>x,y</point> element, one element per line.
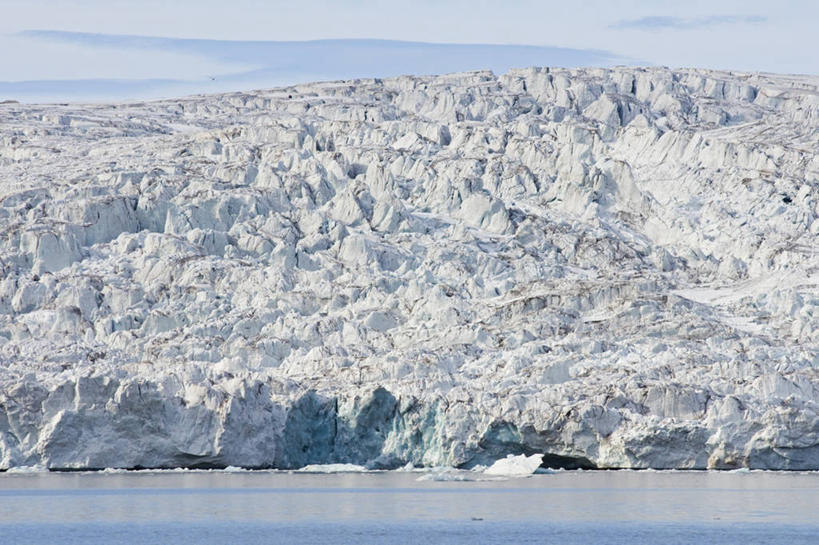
<point>225,507</point>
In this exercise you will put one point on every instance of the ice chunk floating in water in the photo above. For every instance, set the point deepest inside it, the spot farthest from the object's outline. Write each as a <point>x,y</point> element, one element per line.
<point>515,466</point>
<point>333,468</point>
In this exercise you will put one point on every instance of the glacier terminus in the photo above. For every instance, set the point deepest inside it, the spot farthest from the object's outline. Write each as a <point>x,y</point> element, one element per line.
<point>615,268</point>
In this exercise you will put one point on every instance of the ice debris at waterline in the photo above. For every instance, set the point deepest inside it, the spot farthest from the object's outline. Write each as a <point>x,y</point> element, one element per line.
<point>616,268</point>
<point>515,465</point>
<point>332,468</point>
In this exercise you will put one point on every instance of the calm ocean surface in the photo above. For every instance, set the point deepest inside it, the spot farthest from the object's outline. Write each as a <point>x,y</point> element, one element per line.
<point>623,507</point>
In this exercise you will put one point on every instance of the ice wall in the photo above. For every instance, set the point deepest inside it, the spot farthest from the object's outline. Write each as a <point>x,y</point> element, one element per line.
<point>617,268</point>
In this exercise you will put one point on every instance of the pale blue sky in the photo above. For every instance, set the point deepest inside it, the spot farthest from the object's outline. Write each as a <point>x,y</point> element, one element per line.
<point>747,35</point>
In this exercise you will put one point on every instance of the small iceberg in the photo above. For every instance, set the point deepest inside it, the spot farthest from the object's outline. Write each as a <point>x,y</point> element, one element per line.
<point>515,466</point>
<point>333,468</point>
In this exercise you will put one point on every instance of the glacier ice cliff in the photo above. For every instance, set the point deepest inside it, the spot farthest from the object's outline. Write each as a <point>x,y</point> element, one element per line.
<point>614,267</point>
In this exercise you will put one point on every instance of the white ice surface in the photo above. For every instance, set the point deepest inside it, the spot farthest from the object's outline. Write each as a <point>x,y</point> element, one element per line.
<point>515,466</point>
<point>616,268</point>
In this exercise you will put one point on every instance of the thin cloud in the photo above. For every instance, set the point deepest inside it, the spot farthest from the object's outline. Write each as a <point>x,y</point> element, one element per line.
<point>686,23</point>
<point>261,64</point>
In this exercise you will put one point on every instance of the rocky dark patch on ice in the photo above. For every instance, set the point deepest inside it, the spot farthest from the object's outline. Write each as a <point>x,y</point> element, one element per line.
<point>614,268</point>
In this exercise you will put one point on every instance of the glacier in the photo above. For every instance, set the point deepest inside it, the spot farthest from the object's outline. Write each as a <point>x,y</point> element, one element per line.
<point>615,268</point>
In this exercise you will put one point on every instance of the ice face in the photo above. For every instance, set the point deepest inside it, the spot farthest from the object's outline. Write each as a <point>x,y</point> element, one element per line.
<point>615,268</point>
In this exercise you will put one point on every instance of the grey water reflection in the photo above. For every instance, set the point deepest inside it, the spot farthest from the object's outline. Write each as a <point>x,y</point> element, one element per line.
<point>281,497</point>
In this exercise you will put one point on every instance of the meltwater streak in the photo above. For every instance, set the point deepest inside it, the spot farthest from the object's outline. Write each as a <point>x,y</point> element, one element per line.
<point>395,507</point>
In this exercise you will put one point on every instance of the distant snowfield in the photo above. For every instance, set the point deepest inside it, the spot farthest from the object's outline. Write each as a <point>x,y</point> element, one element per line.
<point>76,66</point>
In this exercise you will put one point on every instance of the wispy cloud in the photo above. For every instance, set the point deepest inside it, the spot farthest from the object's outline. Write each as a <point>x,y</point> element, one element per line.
<point>257,64</point>
<point>686,23</point>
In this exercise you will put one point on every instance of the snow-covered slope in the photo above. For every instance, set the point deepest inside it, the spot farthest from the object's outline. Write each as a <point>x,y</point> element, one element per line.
<point>617,268</point>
